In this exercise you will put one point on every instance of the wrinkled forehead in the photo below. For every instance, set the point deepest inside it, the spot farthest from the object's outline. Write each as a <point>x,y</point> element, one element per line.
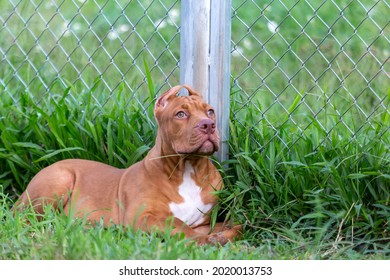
<point>192,103</point>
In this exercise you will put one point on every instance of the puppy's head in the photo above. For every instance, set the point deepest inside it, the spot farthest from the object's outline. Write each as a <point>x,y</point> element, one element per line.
<point>186,123</point>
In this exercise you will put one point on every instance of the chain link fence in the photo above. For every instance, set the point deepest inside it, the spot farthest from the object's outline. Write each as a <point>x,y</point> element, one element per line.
<point>306,61</point>
<point>47,46</point>
<point>293,58</point>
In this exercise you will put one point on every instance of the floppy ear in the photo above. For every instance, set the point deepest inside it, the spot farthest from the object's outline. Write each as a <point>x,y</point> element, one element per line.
<point>191,91</point>
<point>162,101</point>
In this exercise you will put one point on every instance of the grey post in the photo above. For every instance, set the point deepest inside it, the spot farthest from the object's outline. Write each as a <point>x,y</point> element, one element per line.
<point>205,57</point>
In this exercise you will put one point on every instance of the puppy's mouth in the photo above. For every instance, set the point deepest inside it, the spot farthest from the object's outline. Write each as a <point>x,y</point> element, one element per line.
<point>206,147</point>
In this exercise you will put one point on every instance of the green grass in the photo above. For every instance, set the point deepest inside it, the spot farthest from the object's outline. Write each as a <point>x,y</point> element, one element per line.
<point>327,197</point>
<point>56,236</point>
<point>309,167</point>
<point>329,190</point>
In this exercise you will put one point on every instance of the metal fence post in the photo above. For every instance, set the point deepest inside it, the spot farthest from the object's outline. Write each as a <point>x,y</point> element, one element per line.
<point>205,57</point>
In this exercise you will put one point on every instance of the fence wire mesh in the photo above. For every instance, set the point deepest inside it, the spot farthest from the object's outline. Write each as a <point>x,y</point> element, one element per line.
<point>47,46</point>
<point>306,61</point>
<point>290,59</point>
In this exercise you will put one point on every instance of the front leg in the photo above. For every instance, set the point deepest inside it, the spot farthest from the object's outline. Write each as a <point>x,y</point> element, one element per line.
<point>148,223</point>
<point>220,233</point>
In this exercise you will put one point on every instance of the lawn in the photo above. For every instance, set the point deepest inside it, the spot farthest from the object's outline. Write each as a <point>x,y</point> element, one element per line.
<point>308,173</point>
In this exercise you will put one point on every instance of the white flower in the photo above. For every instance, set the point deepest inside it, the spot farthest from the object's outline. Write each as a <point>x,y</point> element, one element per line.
<point>161,23</point>
<point>272,26</point>
<point>237,52</point>
<point>48,5</point>
<point>173,15</point>
<point>171,19</point>
<point>123,28</point>
<point>64,31</point>
<point>76,26</point>
<point>247,43</point>
<point>112,35</point>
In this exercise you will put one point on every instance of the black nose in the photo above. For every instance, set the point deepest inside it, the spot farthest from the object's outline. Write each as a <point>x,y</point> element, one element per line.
<point>206,126</point>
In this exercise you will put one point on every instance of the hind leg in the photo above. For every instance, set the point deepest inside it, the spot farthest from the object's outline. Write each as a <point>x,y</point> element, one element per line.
<point>52,185</point>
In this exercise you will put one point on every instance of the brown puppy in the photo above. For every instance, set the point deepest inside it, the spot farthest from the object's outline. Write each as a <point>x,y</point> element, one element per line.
<point>175,180</point>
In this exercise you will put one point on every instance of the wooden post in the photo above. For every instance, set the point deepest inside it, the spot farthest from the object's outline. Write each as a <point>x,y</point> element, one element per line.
<point>205,57</point>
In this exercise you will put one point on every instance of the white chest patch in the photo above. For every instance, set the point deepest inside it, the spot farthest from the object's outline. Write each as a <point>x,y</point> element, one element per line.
<point>192,210</point>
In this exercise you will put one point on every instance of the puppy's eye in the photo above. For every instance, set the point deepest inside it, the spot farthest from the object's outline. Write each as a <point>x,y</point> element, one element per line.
<point>181,115</point>
<point>210,113</point>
